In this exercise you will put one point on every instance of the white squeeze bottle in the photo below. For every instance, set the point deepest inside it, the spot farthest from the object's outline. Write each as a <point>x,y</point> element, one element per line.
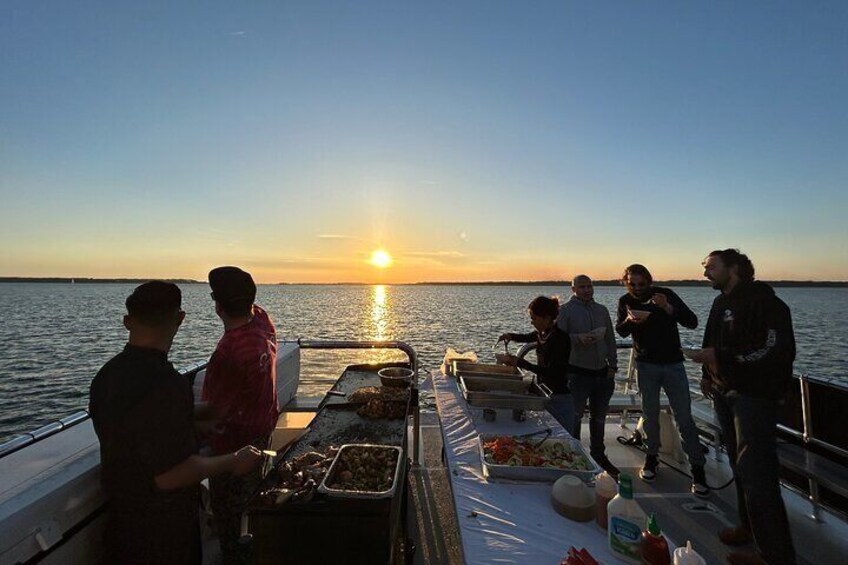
<point>625,523</point>
<point>605,490</point>
<point>687,556</point>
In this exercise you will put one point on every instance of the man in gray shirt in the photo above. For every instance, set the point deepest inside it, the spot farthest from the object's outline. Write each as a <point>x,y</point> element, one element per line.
<point>593,363</point>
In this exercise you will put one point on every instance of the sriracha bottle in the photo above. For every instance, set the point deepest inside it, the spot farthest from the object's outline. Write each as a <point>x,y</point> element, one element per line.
<point>654,547</point>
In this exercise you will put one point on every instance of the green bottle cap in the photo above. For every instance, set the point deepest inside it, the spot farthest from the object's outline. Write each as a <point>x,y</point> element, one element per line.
<point>625,486</point>
<point>653,527</point>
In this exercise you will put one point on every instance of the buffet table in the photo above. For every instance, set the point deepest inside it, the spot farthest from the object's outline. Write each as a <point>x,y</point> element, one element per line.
<point>503,522</point>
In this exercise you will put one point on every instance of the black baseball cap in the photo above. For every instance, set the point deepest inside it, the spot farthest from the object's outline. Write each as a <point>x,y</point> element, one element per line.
<point>154,302</point>
<point>231,285</point>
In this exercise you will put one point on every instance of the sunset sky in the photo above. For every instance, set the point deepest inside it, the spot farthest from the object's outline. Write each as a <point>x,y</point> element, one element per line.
<point>471,141</point>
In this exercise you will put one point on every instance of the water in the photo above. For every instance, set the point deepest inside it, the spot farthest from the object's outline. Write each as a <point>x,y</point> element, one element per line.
<point>54,337</point>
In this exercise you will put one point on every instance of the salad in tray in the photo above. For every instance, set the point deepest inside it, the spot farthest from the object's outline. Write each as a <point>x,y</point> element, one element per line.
<point>506,450</point>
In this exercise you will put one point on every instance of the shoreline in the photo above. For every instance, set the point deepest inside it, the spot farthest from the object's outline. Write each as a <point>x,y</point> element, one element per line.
<point>604,283</point>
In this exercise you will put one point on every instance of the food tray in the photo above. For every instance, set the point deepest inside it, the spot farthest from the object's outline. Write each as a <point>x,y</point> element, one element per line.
<point>533,397</point>
<point>324,487</point>
<point>493,471</point>
<point>496,384</point>
<point>461,368</point>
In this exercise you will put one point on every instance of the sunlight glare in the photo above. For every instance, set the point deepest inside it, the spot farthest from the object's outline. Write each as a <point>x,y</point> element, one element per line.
<point>381,259</point>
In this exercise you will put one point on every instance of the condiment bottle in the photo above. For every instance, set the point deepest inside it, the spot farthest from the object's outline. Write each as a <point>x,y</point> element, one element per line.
<point>688,556</point>
<point>654,547</point>
<point>605,490</point>
<point>625,523</point>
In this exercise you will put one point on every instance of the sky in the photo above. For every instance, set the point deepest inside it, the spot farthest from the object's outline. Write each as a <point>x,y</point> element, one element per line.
<point>472,141</point>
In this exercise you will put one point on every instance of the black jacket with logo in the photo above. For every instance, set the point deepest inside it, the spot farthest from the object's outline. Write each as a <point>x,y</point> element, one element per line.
<point>751,331</point>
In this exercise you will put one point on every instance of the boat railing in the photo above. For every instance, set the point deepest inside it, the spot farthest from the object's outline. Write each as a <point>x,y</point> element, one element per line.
<point>24,440</point>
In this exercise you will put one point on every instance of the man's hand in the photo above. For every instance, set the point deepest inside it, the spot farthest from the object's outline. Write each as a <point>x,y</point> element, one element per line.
<point>505,337</point>
<point>245,460</point>
<point>661,300</point>
<point>707,387</point>
<point>705,356</point>
<point>632,318</point>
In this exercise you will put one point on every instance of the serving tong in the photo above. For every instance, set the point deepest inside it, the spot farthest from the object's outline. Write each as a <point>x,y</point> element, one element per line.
<point>547,432</point>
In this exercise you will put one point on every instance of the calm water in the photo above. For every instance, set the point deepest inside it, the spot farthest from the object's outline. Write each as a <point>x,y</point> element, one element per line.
<point>54,337</point>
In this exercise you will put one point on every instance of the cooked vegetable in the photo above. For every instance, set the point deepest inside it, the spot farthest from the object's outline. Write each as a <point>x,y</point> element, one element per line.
<point>506,450</point>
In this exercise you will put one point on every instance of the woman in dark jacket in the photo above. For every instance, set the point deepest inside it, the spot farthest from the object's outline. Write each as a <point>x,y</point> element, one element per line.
<point>553,348</point>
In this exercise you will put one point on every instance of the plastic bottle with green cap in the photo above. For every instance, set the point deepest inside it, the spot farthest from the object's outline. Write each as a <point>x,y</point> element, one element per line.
<point>654,546</point>
<point>625,523</point>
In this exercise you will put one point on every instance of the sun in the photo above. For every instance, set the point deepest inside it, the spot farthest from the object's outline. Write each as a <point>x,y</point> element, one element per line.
<point>380,258</point>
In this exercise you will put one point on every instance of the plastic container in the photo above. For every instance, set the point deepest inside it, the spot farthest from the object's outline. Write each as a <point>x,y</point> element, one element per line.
<point>688,556</point>
<point>573,499</point>
<point>625,523</point>
<point>605,490</point>
<point>654,546</point>
<point>399,377</point>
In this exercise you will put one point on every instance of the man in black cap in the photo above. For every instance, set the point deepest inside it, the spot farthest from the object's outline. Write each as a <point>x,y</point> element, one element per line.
<point>240,387</point>
<point>142,413</point>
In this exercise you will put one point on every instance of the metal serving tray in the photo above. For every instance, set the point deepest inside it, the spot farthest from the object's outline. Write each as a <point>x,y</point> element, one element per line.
<point>493,471</point>
<point>324,487</point>
<point>466,368</point>
<point>530,395</point>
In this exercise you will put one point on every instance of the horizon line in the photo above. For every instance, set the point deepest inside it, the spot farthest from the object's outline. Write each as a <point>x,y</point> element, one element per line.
<point>552,282</point>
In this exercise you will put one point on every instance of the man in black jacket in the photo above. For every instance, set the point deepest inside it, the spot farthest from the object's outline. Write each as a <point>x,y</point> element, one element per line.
<point>651,314</point>
<point>747,356</point>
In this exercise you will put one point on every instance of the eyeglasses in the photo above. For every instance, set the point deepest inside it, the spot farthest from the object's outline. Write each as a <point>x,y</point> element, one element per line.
<point>640,285</point>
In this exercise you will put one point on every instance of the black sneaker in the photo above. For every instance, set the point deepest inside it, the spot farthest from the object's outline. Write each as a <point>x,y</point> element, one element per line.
<point>603,461</point>
<point>699,482</point>
<point>648,472</point>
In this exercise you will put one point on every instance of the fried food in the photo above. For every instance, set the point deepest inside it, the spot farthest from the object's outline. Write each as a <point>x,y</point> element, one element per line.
<point>364,469</point>
<point>368,393</point>
<point>378,409</point>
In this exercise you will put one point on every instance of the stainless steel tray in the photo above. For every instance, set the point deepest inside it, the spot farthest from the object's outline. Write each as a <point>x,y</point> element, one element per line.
<point>496,384</point>
<point>324,487</point>
<point>533,397</point>
<point>494,471</point>
<point>466,368</point>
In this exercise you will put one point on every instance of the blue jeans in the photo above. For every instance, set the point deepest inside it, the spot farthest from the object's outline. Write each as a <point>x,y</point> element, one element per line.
<point>561,407</point>
<point>748,425</point>
<point>597,390</point>
<point>670,377</point>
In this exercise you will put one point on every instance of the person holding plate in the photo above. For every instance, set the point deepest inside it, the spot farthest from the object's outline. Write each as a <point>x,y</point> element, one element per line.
<point>651,315</point>
<point>592,364</point>
<point>553,348</point>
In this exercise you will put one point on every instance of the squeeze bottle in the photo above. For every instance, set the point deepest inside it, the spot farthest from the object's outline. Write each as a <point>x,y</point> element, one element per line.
<point>605,490</point>
<point>625,523</point>
<point>687,556</point>
<point>654,546</point>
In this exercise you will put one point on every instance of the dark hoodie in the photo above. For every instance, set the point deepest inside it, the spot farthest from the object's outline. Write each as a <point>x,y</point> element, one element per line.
<point>552,353</point>
<point>751,331</point>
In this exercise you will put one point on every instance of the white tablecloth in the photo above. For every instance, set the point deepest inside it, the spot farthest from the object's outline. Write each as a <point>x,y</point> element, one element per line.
<point>504,522</point>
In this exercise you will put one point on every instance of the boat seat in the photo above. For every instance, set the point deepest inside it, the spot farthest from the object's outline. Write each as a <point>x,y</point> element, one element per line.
<point>824,471</point>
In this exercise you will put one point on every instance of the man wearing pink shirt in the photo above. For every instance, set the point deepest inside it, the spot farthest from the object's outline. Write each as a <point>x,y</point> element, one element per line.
<point>240,387</point>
